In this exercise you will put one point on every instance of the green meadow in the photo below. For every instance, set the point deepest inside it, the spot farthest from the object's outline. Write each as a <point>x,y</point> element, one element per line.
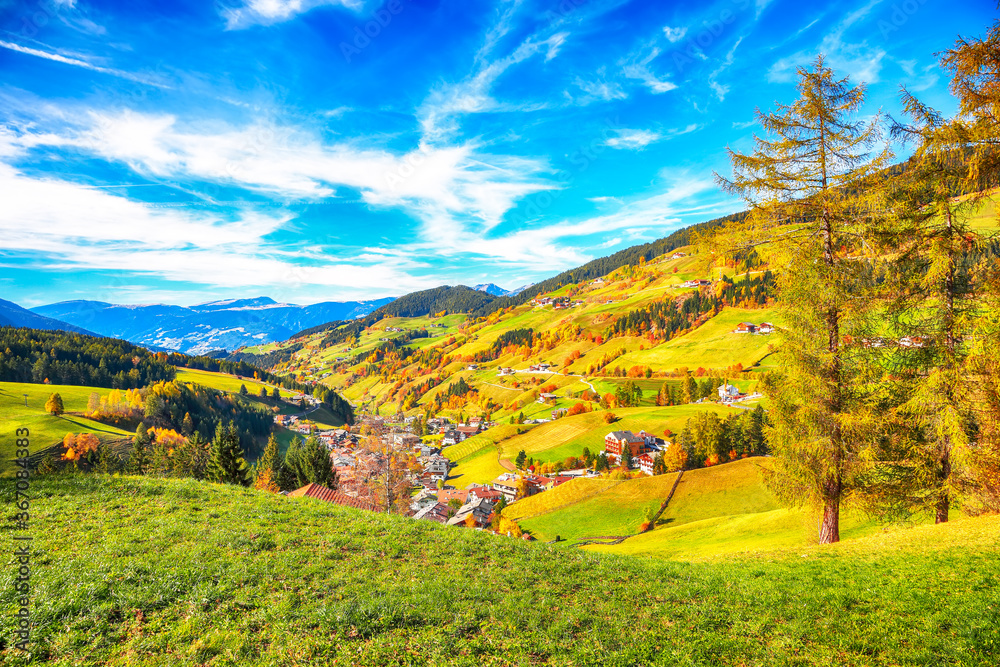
<point>130,571</point>
<point>45,429</point>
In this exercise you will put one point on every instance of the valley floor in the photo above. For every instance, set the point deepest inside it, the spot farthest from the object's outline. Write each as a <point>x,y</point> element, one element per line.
<point>130,571</point>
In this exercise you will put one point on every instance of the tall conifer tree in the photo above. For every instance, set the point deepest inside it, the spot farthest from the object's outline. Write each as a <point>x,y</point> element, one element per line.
<point>228,464</point>
<point>807,184</point>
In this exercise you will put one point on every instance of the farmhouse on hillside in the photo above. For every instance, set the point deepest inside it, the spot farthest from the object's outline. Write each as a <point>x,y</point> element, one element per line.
<point>617,442</point>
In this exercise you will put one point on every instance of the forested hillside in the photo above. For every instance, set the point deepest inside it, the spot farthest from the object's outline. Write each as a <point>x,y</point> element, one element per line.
<point>32,355</point>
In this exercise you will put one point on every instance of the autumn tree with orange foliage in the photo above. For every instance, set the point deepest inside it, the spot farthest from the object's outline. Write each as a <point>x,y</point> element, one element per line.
<point>79,447</point>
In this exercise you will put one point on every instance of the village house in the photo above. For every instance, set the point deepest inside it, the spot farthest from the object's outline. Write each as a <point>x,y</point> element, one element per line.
<point>617,442</point>
<point>507,485</point>
<point>677,255</point>
<point>426,498</point>
<point>438,513</point>
<point>484,493</point>
<point>436,465</point>
<point>728,392</point>
<point>745,328</point>
<point>467,430</point>
<point>480,512</point>
<point>405,440</point>
<point>504,371</point>
<point>447,495</point>
<point>325,494</point>
<point>765,328</point>
<point>646,463</point>
<point>912,341</point>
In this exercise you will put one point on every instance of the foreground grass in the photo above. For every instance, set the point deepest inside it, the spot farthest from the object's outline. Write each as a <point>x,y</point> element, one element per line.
<point>135,571</point>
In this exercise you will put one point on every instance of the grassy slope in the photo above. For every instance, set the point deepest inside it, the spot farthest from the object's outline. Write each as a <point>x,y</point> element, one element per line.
<point>568,436</point>
<point>129,571</point>
<point>223,381</point>
<point>718,510</point>
<point>45,429</point>
<point>712,345</point>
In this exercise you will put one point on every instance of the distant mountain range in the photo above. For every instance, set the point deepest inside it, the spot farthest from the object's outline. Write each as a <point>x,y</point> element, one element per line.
<point>216,325</point>
<point>13,315</point>
<point>496,290</point>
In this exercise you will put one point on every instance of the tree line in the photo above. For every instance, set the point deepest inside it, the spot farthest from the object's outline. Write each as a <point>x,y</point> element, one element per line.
<point>889,393</point>
<point>60,357</point>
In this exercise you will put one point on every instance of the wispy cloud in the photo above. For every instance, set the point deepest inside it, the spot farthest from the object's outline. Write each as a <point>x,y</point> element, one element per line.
<point>599,89</point>
<point>453,190</point>
<point>860,60</point>
<point>633,139</point>
<point>73,227</point>
<point>639,68</point>
<point>268,12</point>
<point>720,89</point>
<point>674,35</point>
<point>79,62</point>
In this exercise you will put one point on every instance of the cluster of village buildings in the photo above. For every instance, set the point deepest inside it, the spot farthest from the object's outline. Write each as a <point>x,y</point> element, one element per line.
<point>750,328</point>
<point>435,499</point>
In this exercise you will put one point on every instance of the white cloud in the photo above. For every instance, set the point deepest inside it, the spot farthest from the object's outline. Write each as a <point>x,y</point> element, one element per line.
<point>555,42</point>
<point>633,139</point>
<point>721,90</point>
<point>599,90</point>
<point>453,190</point>
<point>267,12</point>
<point>440,113</point>
<point>74,227</point>
<point>674,35</point>
<point>640,69</point>
<point>744,125</point>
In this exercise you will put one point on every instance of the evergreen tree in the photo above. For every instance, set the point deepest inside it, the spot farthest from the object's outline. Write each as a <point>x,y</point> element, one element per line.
<point>138,461</point>
<point>228,465</point>
<point>689,389</point>
<point>935,305</point>
<point>54,405</point>
<point>269,461</point>
<point>309,463</point>
<point>191,459</point>
<point>520,460</point>
<point>815,170</point>
<point>106,459</point>
<point>159,459</point>
<point>243,390</point>
<point>975,68</point>
<point>187,426</point>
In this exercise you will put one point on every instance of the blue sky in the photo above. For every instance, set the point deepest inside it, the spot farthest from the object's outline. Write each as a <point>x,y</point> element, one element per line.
<point>312,150</point>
